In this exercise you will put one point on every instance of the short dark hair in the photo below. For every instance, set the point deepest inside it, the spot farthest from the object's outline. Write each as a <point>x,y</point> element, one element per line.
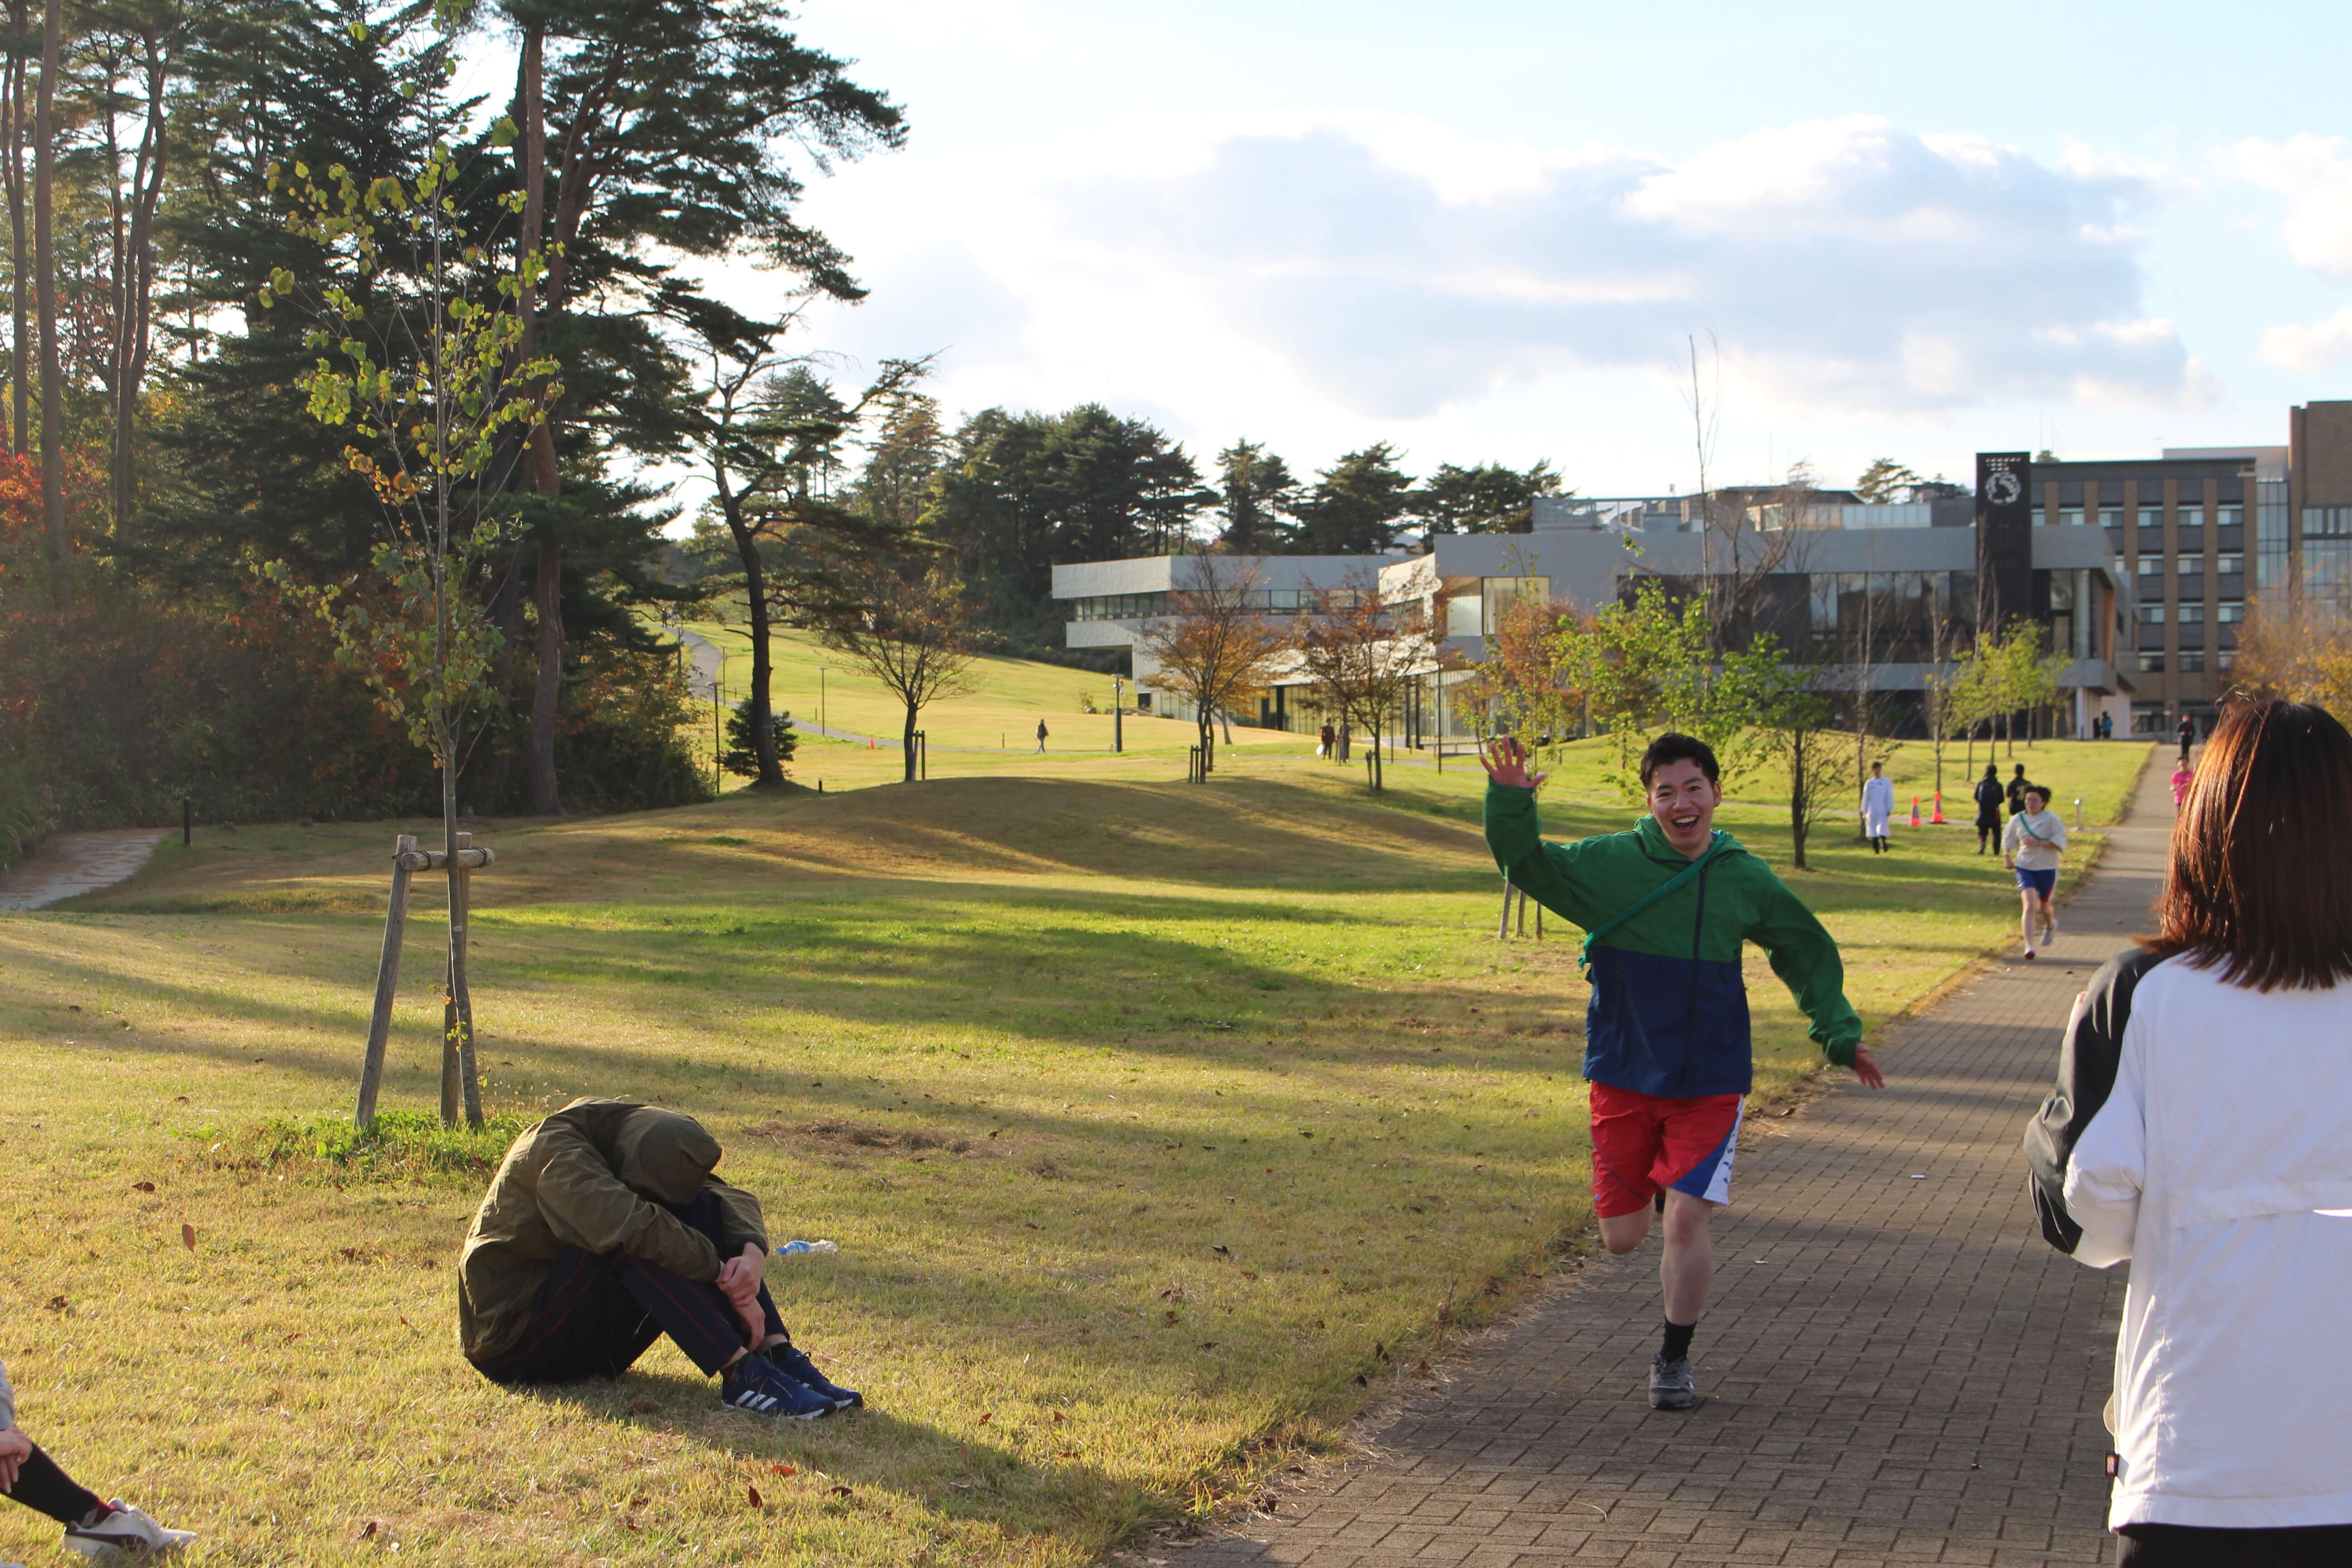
<point>2036,789</point>
<point>2260,880</point>
<point>1672,748</point>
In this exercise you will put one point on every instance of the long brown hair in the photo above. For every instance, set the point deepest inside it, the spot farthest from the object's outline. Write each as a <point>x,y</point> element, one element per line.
<point>2260,881</point>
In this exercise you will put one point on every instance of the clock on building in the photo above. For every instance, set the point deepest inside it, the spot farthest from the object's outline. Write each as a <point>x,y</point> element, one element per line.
<point>2002,488</point>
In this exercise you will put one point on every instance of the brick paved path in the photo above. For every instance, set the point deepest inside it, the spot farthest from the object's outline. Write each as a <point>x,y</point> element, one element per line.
<point>1898,1370</point>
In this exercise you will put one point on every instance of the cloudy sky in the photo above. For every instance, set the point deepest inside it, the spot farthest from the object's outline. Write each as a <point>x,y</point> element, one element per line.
<point>1493,231</point>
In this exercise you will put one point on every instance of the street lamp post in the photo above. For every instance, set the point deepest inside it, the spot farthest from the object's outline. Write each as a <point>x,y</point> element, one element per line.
<point>820,699</point>
<point>1118,715</point>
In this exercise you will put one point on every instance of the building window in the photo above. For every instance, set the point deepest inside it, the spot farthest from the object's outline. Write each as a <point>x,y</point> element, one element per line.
<point>2191,515</point>
<point>2151,565</point>
<point>2327,564</point>
<point>2229,611</point>
<point>2069,517</point>
<point>2229,517</point>
<point>2151,520</point>
<point>2111,517</point>
<point>2230,565</point>
<point>2270,533</point>
<point>2335,522</point>
<point>2150,615</point>
<point>2152,662</point>
<point>2190,614</point>
<point>1463,616</point>
<point>2225,660</point>
<point>2192,565</point>
<point>2192,662</point>
<point>1501,593</point>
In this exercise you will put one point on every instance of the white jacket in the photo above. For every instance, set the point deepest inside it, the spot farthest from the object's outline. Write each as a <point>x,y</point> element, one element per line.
<point>1877,805</point>
<point>2221,1165</point>
<point>2035,842</point>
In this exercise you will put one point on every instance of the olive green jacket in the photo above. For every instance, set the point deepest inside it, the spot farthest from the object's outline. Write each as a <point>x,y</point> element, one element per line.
<point>603,1175</point>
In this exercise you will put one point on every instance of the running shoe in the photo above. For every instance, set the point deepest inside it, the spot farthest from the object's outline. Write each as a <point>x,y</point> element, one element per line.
<point>755,1384</point>
<point>1671,1385</point>
<point>124,1530</point>
<point>796,1363</point>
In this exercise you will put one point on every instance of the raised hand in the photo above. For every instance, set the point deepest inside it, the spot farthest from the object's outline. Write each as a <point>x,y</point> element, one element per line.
<point>1506,761</point>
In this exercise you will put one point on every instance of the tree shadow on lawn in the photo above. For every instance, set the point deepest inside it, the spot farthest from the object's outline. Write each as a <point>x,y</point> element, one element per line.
<point>867,1448</point>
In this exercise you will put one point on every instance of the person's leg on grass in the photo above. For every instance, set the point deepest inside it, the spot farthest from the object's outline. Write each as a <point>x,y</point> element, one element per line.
<point>706,1215</point>
<point>92,1523</point>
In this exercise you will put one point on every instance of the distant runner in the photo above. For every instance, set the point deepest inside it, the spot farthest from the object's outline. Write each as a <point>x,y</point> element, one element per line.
<point>2031,846</point>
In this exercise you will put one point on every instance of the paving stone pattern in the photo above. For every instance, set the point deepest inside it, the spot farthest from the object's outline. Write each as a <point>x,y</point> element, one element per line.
<point>71,863</point>
<point>1896,1369</point>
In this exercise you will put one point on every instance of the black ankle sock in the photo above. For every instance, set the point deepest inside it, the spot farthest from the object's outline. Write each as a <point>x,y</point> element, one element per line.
<point>1678,1342</point>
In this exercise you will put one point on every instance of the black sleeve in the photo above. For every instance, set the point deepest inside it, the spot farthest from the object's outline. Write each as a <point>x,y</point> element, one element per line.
<point>2087,1076</point>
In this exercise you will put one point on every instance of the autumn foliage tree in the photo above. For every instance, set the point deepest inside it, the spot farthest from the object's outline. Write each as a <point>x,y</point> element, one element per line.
<point>1362,659</point>
<point>1216,645</point>
<point>908,625</point>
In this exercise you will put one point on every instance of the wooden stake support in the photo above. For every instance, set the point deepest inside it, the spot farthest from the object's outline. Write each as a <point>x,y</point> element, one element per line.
<point>460,1087</point>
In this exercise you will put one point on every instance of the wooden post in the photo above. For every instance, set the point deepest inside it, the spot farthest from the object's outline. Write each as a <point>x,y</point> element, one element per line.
<point>387,980</point>
<point>461,995</point>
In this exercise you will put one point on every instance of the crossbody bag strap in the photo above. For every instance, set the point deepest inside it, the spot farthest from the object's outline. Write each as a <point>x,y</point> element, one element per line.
<point>1584,954</point>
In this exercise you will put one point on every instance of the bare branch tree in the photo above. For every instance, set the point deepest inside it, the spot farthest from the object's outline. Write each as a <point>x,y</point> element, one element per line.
<point>910,630</point>
<point>1218,644</point>
<point>1363,657</point>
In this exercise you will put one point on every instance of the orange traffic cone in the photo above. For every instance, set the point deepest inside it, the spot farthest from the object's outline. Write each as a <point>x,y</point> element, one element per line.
<point>1915,811</point>
<point>1938,818</point>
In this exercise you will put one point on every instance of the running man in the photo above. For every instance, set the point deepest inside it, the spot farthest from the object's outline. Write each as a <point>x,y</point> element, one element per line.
<point>2031,846</point>
<point>1665,907</point>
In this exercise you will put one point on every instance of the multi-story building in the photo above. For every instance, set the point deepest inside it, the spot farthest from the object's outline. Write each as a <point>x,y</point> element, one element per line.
<point>2141,572</point>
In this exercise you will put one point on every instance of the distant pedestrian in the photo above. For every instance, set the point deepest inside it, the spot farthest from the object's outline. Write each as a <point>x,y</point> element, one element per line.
<point>2036,839</point>
<point>1877,808</point>
<point>2187,733</point>
<point>1989,799</point>
<point>2181,779</point>
<point>2017,788</point>
<point>1041,737</point>
<point>1323,747</point>
<point>2198,1131</point>
<point>2107,726</point>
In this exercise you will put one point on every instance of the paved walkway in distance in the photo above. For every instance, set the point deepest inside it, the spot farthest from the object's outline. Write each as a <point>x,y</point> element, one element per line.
<point>71,863</point>
<point>1897,1369</point>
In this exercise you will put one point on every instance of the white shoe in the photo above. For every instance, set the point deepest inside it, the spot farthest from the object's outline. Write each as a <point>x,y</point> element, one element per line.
<point>125,1530</point>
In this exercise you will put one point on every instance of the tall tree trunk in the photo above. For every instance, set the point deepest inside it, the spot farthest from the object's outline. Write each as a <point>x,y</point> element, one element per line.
<point>907,744</point>
<point>755,585</point>
<point>45,283</point>
<point>20,372</point>
<point>547,598</point>
<point>546,696</point>
<point>1798,804</point>
<point>134,329</point>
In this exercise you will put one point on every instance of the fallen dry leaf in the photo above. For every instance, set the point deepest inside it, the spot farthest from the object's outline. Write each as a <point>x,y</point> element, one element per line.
<point>755,1496</point>
<point>785,1470</point>
<point>837,1491</point>
<point>984,1416</point>
<point>56,1303</point>
<point>142,1187</point>
<point>1058,1416</point>
<point>187,1235</point>
<point>367,1530</point>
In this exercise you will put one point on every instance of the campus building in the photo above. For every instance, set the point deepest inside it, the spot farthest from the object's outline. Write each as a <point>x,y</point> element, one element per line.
<point>2139,572</point>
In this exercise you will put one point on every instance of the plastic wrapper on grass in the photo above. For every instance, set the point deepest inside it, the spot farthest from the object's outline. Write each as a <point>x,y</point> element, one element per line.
<point>403,1146</point>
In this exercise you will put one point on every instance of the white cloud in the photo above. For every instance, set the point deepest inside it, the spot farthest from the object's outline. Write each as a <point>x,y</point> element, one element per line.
<point>2321,346</point>
<point>2315,174</point>
<point>1842,264</point>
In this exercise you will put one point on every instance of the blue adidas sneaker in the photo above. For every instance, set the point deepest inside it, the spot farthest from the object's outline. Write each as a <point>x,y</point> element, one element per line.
<point>796,1362</point>
<point>755,1384</point>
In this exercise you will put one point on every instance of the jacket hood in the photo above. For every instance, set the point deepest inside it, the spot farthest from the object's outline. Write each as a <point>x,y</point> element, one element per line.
<point>1656,842</point>
<point>663,1154</point>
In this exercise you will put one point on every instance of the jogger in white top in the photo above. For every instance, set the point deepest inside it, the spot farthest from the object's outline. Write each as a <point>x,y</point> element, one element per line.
<point>2031,846</point>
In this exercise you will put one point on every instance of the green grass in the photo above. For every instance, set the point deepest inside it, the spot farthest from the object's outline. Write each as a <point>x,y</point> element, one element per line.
<point>1161,1127</point>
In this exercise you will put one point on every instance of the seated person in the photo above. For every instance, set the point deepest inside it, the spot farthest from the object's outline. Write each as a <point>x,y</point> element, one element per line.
<point>604,1230</point>
<point>93,1526</point>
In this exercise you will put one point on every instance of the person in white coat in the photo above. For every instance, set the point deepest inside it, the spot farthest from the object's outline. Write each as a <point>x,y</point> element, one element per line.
<point>2202,1130</point>
<point>93,1526</point>
<point>1878,808</point>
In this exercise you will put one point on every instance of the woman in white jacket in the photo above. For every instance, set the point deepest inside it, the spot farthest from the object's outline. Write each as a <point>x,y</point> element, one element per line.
<point>2202,1130</point>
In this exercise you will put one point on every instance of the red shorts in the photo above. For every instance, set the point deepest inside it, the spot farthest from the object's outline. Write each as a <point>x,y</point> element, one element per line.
<point>1645,1144</point>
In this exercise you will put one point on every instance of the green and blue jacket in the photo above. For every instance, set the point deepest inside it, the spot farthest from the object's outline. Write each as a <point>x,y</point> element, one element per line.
<point>1669,1010</point>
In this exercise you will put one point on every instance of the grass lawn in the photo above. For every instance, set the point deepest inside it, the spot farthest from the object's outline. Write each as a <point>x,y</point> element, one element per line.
<point>1160,1127</point>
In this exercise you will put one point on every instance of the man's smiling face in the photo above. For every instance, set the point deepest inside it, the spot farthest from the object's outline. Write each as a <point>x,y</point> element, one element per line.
<point>1683,800</point>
